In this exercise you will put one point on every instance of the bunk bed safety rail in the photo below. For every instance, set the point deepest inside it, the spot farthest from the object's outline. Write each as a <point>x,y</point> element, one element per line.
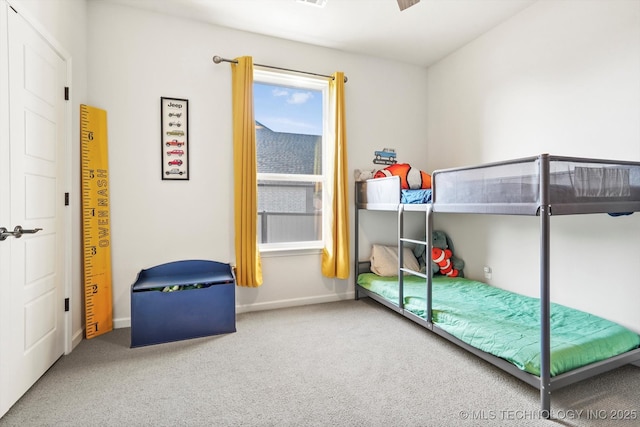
<point>576,186</point>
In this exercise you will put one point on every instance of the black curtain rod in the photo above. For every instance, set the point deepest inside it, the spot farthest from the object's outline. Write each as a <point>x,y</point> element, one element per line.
<point>217,59</point>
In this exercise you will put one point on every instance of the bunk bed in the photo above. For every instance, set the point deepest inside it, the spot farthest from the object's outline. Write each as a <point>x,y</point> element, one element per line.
<point>539,186</point>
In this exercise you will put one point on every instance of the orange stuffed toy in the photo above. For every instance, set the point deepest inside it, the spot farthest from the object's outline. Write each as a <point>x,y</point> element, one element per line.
<point>442,257</point>
<point>410,178</point>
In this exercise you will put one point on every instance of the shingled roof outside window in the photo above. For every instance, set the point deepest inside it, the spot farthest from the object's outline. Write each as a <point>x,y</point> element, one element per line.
<point>288,153</point>
<point>288,210</point>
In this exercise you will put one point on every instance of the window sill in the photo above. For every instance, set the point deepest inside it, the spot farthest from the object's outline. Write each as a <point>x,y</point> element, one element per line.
<point>289,251</point>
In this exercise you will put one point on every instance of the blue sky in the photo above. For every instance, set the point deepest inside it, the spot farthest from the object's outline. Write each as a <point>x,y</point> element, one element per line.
<point>288,109</point>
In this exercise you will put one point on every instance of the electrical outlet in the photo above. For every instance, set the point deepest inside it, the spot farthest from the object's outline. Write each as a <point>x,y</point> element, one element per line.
<point>487,272</point>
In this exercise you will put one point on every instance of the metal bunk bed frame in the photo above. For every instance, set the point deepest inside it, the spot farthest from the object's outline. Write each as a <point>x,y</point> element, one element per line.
<point>545,383</point>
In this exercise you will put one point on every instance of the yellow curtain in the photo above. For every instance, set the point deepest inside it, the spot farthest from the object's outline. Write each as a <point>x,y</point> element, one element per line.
<point>335,255</point>
<point>248,264</point>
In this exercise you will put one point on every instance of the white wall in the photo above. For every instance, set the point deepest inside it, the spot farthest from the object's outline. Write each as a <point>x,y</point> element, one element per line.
<point>135,58</point>
<point>64,21</point>
<point>560,77</point>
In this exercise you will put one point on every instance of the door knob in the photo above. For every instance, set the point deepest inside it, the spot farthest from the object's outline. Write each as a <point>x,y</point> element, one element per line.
<point>17,232</point>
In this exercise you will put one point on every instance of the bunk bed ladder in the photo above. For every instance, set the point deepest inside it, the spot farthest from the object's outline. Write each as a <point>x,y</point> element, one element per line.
<point>401,256</point>
<point>402,239</point>
<point>356,244</point>
<point>429,249</point>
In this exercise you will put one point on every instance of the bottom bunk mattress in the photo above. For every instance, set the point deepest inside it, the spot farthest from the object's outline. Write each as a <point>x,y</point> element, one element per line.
<point>506,324</point>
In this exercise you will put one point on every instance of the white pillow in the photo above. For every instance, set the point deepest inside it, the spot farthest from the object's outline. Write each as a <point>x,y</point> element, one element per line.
<point>384,260</point>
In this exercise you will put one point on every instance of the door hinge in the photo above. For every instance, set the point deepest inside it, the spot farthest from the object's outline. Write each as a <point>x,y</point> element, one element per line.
<point>66,199</point>
<point>66,304</point>
<point>66,93</point>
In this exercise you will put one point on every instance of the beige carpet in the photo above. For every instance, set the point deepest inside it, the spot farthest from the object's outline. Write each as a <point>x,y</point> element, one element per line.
<point>350,363</point>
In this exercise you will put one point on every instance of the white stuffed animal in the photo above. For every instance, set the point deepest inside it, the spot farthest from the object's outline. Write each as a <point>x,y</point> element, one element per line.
<point>363,174</point>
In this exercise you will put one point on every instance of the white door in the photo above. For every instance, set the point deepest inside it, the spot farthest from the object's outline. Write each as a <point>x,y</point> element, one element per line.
<point>33,161</point>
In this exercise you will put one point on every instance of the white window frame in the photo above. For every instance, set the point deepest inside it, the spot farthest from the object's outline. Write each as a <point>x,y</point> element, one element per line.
<point>301,82</point>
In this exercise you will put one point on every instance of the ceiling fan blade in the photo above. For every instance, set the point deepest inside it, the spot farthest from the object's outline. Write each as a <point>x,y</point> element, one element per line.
<point>406,3</point>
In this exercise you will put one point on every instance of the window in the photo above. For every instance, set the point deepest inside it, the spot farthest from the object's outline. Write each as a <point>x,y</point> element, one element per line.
<point>290,114</point>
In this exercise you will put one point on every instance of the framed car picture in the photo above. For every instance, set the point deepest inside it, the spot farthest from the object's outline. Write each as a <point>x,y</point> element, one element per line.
<point>174,123</point>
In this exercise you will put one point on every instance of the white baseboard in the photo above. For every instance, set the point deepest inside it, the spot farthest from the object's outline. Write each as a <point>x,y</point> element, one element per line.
<point>296,302</point>
<point>122,323</point>
<point>76,338</point>
<point>125,322</point>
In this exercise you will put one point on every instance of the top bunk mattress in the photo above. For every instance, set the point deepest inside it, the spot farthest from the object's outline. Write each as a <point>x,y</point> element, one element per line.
<point>386,194</point>
<point>570,185</point>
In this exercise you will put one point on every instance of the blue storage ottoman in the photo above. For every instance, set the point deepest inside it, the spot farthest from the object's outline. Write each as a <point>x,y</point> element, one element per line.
<point>182,300</point>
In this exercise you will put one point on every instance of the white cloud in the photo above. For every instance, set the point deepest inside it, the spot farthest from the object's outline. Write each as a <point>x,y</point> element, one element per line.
<point>299,97</point>
<point>280,92</point>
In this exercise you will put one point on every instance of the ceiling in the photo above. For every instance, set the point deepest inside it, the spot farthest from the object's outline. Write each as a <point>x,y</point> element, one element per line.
<point>420,35</point>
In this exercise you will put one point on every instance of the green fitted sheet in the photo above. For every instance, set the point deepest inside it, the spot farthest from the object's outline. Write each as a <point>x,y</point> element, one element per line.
<point>507,324</point>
